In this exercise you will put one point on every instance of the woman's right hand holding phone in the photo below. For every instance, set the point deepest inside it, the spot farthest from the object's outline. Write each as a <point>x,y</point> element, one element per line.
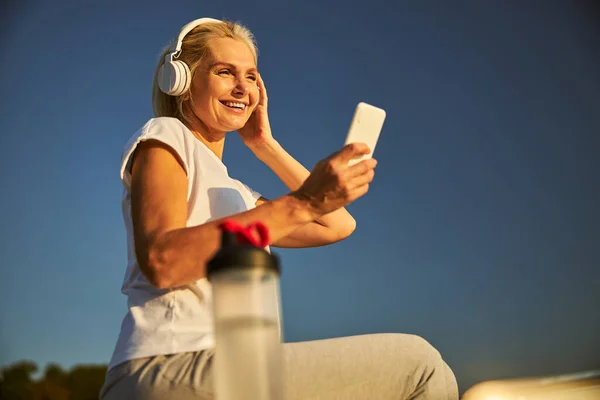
<point>333,184</point>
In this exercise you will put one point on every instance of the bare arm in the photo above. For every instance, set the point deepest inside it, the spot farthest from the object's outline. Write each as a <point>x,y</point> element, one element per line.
<point>329,228</point>
<point>170,254</point>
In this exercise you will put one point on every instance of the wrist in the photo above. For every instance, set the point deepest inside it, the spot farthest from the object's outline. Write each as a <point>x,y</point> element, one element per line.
<point>266,150</point>
<point>305,206</point>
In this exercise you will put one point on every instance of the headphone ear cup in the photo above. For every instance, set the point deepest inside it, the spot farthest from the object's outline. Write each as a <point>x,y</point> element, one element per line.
<point>183,80</point>
<point>166,77</point>
<point>174,77</point>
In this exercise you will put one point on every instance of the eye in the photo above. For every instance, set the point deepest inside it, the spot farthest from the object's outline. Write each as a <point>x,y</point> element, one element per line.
<point>224,72</point>
<point>252,78</point>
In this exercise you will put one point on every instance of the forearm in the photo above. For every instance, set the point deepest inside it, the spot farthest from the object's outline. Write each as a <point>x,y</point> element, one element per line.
<point>180,256</point>
<point>293,174</point>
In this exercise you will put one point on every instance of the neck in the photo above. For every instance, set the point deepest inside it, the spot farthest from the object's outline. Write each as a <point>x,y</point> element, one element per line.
<point>215,141</point>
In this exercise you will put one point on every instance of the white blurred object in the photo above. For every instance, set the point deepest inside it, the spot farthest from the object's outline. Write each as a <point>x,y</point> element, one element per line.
<point>579,386</point>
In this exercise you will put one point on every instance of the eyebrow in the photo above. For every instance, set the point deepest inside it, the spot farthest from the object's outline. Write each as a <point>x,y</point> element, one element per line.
<point>253,69</point>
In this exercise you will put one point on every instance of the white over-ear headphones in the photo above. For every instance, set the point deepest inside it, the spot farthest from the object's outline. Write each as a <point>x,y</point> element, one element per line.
<point>174,76</point>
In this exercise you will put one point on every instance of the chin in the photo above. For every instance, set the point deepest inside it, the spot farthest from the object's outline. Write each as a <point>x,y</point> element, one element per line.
<point>229,127</point>
<point>223,125</point>
<point>234,125</point>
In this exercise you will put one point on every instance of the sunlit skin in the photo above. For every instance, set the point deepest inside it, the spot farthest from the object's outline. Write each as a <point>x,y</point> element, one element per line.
<point>228,74</point>
<point>311,214</point>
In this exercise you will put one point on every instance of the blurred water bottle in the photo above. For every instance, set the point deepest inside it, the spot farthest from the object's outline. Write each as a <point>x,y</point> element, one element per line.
<point>245,286</point>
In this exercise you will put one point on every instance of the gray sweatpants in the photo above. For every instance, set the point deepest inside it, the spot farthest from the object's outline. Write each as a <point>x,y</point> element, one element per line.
<point>364,367</point>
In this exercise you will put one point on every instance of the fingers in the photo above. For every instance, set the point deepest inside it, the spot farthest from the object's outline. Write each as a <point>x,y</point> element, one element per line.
<point>359,177</point>
<point>262,91</point>
<point>352,150</point>
<point>351,177</point>
<point>361,168</point>
<point>335,183</point>
<point>355,181</point>
<point>358,185</point>
<point>361,180</point>
<point>359,191</point>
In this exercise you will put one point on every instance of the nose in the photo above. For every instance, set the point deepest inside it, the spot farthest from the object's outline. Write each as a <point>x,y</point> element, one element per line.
<point>242,87</point>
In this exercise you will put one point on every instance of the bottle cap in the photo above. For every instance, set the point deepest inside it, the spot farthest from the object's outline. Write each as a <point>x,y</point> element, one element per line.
<point>240,250</point>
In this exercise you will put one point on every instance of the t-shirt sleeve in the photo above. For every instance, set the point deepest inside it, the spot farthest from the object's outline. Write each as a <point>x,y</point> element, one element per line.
<point>157,129</point>
<point>255,195</point>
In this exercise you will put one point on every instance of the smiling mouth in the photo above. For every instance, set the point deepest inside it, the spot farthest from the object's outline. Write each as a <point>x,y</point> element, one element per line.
<point>234,105</point>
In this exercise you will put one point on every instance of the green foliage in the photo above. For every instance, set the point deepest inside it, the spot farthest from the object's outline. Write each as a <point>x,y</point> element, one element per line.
<point>82,382</point>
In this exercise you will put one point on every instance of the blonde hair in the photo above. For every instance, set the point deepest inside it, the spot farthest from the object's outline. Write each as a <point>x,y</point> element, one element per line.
<point>194,50</point>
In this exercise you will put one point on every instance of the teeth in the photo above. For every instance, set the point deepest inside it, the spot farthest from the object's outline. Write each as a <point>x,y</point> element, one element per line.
<point>235,105</point>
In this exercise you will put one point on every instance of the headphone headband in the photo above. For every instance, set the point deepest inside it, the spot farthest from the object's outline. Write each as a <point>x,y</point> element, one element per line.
<point>187,28</point>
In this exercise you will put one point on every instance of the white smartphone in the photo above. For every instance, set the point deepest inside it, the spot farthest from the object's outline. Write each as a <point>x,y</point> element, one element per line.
<point>365,127</point>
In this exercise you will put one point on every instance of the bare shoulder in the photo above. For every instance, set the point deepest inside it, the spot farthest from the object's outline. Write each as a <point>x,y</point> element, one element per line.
<point>155,152</point>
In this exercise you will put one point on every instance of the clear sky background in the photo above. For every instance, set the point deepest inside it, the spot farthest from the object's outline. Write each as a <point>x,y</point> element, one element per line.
<point>481,231</point>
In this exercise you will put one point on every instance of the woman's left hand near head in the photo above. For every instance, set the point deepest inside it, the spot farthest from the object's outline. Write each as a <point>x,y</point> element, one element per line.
<point>257,131</point>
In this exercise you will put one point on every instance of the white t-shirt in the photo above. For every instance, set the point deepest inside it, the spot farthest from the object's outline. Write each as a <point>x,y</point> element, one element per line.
<point>166,321</point>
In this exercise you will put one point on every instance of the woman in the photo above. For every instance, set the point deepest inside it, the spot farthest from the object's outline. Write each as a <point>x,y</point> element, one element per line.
<point>177,191</point>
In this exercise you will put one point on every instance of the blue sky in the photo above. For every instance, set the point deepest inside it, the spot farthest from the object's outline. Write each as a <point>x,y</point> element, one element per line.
<point>481,229</point>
